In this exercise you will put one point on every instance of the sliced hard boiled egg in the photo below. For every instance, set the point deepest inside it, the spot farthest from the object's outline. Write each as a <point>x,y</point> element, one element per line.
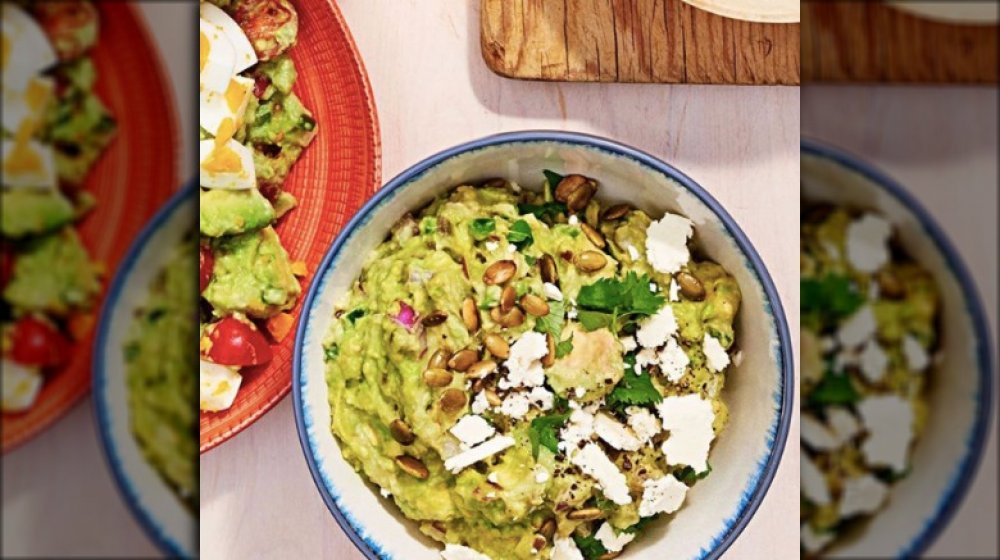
<point>217,58</point>
<point>245,55</point>
<point>27,105</point>
<point>226,165</point>
<point>221,113</point>
<point>28,163</point>
<point>24,48</point>
<point>219,385</point>
<point>20,386</point>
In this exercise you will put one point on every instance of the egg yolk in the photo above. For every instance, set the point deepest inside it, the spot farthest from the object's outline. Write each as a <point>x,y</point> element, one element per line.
<point>235,94</point>
<point>205,47</point>
<point>23,159</point>
<point>37,95</point>
<point>223,159</point>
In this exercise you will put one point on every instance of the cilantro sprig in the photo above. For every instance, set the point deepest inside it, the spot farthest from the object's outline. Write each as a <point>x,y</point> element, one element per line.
<point>826,300</point>
<point>541,211</point>
<point>633,389</point>
<point>564,347</point>
<point>520,235</point>
<point>614,303</point>
<point>544,432</point>
<point>553,322</point>
<point>590,547</point>
<point>480,228</point>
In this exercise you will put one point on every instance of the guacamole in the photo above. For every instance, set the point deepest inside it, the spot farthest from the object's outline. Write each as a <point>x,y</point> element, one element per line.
<point>869,318</point>
<point>249,282</point>
<point>523,373</point>
<point>161,388</point>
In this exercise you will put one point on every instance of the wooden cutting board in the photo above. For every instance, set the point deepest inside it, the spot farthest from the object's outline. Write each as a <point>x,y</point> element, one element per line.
<point>872,42</point>
<point>663,41</point>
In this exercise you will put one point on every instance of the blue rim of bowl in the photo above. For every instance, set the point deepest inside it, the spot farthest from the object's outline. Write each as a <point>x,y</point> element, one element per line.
<point>960,483</point>
<point>764,475</point>
<point>153,529</point>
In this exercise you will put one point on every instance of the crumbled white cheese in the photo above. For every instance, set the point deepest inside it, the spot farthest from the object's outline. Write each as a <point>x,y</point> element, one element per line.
<point>579,427</point>
<point>816,435</point>
<point>595,464</point>
<point>218,386</point>
<point>813,541</point>
<point>385,493</point>
<point>541,475</point>
<point>844,425</point>
<point>859,328</point>
<point>654,331</point>
<point>472,429</point>
<point>612,541</point>
<point>666,243</point>
<point>516,405</point>
<point>459,552</point>
<point>863,494</point>
<point>716,357</point>
<point>673,361</point>
<point>644,423</point>
<point>633,253</point>
<point>689,419</point>
<point>868,243</point>
<point>480,404</point>
<point>552,291</point>
<point>491,245</point>
<point>916,357</point>
<point>813,482</point>
<point>579,392</point>
<point>19,386</point>
<point>472,456</point>
<point>889,420</point>
<point>511,248</point>
<point>873,361</point>
<point>662,495</point>
<point>571,313</point>
<point>673,293</point>
<point>615,433</point>
<point>419,276</point>
<point>541,397</point>
<point>573,220</point>
<point>565,549</point>
<point>629,344</point>
<point>654,287</point>
<point>645,357</point>
<point>493,478</point>
<point>524,368</point>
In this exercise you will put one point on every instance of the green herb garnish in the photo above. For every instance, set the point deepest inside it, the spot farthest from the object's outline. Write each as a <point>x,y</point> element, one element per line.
<point>614,303</point>
<point>590,547</point>
<point>553,322</point>
<point>633,389</point>
<point>826,300</point>
<point>544,431</point>
<point>540,211</point>
<point>835,388</point>
<point>565,347</point>
<point>481,228</point>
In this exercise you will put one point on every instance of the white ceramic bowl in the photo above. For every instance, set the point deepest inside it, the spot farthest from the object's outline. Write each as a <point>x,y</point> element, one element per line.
<point>167,522</point>
<point>946,455</point>
<point>759,391</point>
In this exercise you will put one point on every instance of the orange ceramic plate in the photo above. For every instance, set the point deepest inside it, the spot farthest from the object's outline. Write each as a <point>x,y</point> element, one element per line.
<point>134,176</point>
<point>334,177</point>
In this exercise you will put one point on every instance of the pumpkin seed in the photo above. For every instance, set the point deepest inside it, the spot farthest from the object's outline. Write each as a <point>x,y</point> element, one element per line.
<point>550,357</point>
<point>548,528</point>
<point>550,273</point>
<point>401,432</point>
<point>434,318</point>
<point>535,305</point>
<point>497,346</point>
<point>590,261</point>
<point>453,400</point>
<point>413,466</point>
<point>512,319</point>
<point>439,359</point>
<point>495,314</point>
<point>463,359</point>
<point>499,272</point>
<point>581,197</point>
<point>492,397</point>
<point>507,298</point>
<point>481,369</point>
<point>470,315</point>
<point>594,236</point>
<point>616,212</point>
<point>569,185</point>
<point>690,286</point>
<point>585,514</point>
<point>436,377</point>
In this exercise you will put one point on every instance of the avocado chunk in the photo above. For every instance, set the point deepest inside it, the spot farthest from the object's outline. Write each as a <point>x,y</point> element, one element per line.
<point>53,274</point>
<point>252,275</point>
<point>33,212</point>
<point>225,212</point>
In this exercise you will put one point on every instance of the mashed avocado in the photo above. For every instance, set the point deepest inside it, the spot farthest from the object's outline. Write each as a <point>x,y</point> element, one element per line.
<point>869,324</point>
<point>252,275</point>
<point>536,323</point>
<point>52,274</point>
<point>161,387</point>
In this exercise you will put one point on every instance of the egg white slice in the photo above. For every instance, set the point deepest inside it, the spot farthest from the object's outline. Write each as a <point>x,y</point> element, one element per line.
<point>29,104</point>
<point>245,55</point>
<point>19,386</point>
<point>217,58</point>
<point>26,50</point>
<point>219,385</point>
<point>221,114</point>
<point>28,164</point>
<point>226,166</point>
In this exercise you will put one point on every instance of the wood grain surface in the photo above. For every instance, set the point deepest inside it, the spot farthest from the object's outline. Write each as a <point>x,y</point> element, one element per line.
<point>851,41</point>
<point>664,41</point>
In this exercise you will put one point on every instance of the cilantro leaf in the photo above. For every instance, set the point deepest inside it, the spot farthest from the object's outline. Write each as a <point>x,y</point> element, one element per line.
<point>828,299</point>
<point>633,389</point>
<point>626,300</point>
<point>540,211</point>
<point>544,431</point>
<point>590,547</point>
<point>835,388</point>
<point>593,320</point>
<point>565,347</point>
<point>553,322</point>
<point>689,476</point>
<point>356,314</point>
<point>552,177</point>
<point>520,235</point>
<point>480,228</point>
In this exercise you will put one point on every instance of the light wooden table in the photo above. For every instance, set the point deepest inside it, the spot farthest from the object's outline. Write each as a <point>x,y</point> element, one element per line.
<point>58,495</point>
<point>433,91</point>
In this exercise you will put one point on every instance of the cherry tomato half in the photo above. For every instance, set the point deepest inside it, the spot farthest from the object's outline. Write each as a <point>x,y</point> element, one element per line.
<point>235,343</point>
<point>206,264</point>
<point>37,343</point>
